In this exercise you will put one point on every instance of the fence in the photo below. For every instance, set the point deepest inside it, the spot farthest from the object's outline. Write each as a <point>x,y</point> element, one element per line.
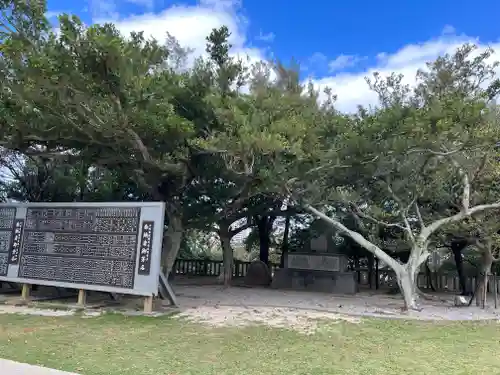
<point>206,267</point>
<point>380,278</point>
<point>441,281</point>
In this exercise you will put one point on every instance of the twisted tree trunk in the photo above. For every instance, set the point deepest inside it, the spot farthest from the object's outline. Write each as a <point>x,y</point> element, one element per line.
<point>171,242</point>
<point>227,253</point>
<point>457,247</point>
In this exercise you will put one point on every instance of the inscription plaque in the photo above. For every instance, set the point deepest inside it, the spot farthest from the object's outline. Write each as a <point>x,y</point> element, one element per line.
<point>96,246</point>
<point>7,216</point>
<point>146,247</point>
<point>314,262</point>
<point>15,246</point>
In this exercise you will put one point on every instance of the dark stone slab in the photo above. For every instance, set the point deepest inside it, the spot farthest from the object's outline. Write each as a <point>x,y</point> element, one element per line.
<point>96,246</point>
<point>328,262</point>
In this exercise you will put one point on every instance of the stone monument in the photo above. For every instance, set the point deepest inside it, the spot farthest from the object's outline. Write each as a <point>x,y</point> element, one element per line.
<point>316,270</point>
<point>258,274</point>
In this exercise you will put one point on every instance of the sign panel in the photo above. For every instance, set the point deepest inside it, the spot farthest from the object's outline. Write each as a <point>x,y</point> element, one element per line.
<point>314,262</point>
<point>96,246</point>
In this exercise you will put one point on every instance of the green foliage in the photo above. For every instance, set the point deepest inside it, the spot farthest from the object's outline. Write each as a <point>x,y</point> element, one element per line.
<point>110,117</point>
<point>114,100</point>
<point>197,245</point>
<point>412,149</point>
<point>41,181</point>
<point>38,179</point>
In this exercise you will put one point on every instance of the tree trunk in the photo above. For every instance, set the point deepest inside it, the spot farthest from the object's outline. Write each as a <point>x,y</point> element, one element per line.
<point>171,242</point>
<point>456,248</point>
<point>408,285</point>
<point>357,268</point>
<point>371,266</point>
<point>227,253</point>
<point>429,275</point>
<point>405,273</point>
<point>409,277</point>
<point>264,225</point>
<point>284,246</point>
<point>487,262</point>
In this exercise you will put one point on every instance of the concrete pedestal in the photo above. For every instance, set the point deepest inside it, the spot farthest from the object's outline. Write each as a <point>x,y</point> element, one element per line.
<point>319,281</point>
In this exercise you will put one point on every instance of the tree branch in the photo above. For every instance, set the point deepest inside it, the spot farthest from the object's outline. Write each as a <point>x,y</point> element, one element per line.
<point>427,231</point>
<point>433,152</point>
<point>403,211</point>
<point>481,167</point>
<point>360,213</point>
<point>235,231</point>
<point>240,198</point>
<point>465,185</point>
<point>356,237</point>
<point>419,216</point>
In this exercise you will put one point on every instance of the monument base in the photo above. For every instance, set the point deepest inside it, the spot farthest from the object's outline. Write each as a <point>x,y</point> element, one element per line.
<point>318,281</point>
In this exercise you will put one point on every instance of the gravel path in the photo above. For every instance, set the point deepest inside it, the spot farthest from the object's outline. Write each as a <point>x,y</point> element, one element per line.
<point>16,368</point>
<point>212,297</point>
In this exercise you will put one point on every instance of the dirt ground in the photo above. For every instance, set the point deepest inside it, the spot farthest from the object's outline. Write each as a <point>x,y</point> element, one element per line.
<point>214,298</point>
<point>219,306</point>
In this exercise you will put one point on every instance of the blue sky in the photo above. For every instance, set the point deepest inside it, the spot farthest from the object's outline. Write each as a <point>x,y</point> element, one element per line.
<point>337,43</point>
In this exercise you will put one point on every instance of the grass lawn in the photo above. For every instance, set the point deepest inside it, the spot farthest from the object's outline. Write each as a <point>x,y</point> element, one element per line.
<point>118,345</point>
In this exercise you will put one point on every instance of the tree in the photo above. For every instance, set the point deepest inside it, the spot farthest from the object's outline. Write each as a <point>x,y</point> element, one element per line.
<point>448,136</point>
<point>217,204</point>
<point>226,204</point>
<point>47,179</point>
<point>90,93</point>
<point>385,164</point>
<point>40,180</point>
<point>487,246</point>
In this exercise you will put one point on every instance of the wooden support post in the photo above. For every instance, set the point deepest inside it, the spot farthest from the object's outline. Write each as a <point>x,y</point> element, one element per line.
<point>82,297</point>
<point>148,305</point>
<point>25,293</point>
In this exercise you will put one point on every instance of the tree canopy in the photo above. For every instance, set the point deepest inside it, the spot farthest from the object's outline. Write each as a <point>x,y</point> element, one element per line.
<point>94,114</point>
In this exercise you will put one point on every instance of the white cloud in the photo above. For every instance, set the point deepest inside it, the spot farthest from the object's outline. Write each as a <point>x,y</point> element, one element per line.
<point>352,89</point>
<point>51,14</point>
<point>342,62</point>
<point>190,25</point>
<point>318,58</point>
<point>448,29</point>
<point>268,37</point>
